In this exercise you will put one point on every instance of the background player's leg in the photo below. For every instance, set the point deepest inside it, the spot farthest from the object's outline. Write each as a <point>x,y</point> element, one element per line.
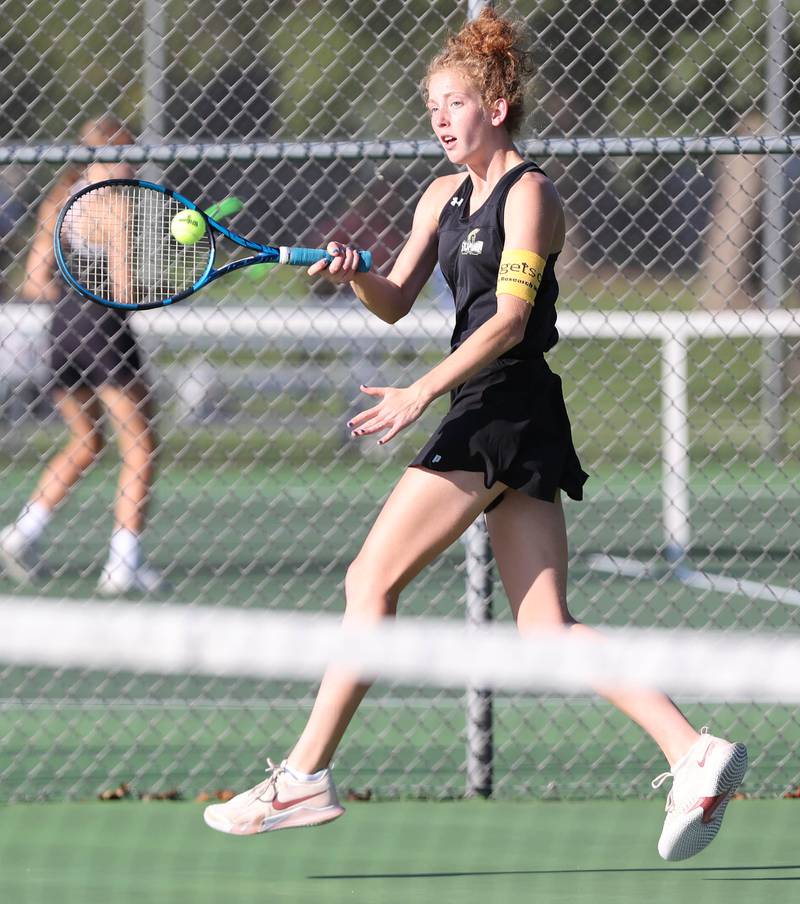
<point>426,513</point>
<point>129,412</point>
<point>529,541</point>
<point>81,413</point>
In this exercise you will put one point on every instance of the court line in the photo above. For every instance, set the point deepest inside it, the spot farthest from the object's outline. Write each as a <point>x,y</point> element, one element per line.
<point>691,577</point>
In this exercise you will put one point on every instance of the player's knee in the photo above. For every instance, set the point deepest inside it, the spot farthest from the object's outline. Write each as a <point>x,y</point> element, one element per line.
<point>140,452</point>
<point>550,615</point>
<point>149,443</point>
<point>85,449</point>
<point>367,592</point>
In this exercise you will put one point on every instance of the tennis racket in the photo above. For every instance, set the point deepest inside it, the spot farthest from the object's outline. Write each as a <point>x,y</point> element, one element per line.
<point>114,245</point>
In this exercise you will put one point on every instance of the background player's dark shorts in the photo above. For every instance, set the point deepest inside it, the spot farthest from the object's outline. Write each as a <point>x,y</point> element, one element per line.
<point>510,422</point>
<point>91,346</point>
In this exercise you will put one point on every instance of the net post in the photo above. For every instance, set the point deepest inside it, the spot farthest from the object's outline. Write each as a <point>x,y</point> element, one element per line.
<point>675,444</point>
<point>480,730</point>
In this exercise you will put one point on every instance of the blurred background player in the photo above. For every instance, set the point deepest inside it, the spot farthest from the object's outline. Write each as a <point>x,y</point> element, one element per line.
<point>96,370</point>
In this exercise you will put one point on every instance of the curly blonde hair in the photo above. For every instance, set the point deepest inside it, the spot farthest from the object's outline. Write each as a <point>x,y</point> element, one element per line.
<point>490,53</point>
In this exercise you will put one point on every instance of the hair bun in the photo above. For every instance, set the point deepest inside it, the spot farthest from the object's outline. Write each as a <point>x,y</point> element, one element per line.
<point>491,53</point>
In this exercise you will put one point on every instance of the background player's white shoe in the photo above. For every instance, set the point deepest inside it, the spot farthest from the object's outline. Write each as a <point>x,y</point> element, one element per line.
<point>117,581</point>
<point>279,802</point>
<point>18,557</point>
<point>703,782</point>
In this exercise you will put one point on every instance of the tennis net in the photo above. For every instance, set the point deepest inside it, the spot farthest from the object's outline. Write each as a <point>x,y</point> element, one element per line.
<point>120,720</point>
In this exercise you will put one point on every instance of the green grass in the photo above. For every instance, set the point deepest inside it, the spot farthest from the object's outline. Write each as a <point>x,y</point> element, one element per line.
<point>472,852</point>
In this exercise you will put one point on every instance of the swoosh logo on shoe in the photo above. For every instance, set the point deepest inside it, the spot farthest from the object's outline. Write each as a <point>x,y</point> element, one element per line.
<point>710,805</point>
<point>285,804</point>
<point>701,762</point>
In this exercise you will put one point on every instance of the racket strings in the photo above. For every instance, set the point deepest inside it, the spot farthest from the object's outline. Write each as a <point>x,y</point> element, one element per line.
<point>121,249</point>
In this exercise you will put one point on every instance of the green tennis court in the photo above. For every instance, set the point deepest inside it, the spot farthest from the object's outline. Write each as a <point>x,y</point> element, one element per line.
<point>392,853</point>
<point>275,535</point>
<point>269,536</point>
<point>403,742</point>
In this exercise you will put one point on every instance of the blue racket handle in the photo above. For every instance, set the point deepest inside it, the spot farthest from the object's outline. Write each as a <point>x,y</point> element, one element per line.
<point>305,257</point>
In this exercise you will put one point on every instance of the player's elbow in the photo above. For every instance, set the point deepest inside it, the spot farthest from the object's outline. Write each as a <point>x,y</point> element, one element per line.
<point>398,313</point>
<point>388,314</point>
<point>402,302</point>
<point>511,327</point>
<point>386,300</point>
<point>511,319</point>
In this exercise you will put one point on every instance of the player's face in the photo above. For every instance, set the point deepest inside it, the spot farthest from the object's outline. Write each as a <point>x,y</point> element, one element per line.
<point>99,172</point>
<point>458,117</point>
<point>93,136</point>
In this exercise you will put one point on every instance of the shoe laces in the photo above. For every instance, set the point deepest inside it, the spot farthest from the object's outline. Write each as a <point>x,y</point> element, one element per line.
<point>659,780</point>
<point>274,772</point>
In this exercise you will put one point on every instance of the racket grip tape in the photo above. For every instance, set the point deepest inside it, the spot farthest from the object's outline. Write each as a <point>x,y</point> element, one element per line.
<point>305,257</point>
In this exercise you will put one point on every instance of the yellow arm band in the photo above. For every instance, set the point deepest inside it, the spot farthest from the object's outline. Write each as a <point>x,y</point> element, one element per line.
<point>520,274</point>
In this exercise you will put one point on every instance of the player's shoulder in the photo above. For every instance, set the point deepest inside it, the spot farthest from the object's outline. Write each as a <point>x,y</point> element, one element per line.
<point>533,188</point>
<point>438,193</point>
<point>534,182</point>
<point>443,188</point>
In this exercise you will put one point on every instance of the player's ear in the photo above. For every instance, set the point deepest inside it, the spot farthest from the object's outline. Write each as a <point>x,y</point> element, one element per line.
<point>498,111</point>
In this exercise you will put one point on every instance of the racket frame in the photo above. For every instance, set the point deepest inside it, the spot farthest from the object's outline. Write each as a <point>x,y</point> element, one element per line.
<point>264,254</point>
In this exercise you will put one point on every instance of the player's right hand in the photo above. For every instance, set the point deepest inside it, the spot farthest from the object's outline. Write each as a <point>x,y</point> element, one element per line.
<point>342,268</point>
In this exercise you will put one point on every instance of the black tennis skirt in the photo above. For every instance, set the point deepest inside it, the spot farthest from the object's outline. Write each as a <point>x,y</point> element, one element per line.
<point>510,422</point>
<point>91,346</point>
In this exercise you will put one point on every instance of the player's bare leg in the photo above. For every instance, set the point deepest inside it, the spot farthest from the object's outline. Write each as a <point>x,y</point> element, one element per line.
<point>81,414</point>
<point>530,546</point>
<point>425,514</point>
<point>129,412</point>
<point>529,540</point>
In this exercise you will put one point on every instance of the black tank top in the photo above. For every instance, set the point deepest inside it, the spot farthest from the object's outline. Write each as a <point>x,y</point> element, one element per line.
<point>469,256</point>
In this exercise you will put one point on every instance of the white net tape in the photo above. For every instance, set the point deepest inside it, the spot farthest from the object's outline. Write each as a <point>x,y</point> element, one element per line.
<point>198,640</point>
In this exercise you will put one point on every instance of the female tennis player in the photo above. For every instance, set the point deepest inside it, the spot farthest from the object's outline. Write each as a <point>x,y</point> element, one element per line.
<point>504,448</point>
<point>95,367</point>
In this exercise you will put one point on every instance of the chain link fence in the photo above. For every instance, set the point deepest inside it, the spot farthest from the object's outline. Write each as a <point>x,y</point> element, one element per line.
<point>667,127</point>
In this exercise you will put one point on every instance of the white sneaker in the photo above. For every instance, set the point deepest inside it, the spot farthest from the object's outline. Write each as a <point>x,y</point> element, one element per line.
<point>279,802</point>
<point>703,782</point>
<point>19,559</point>
<point>119,581</point>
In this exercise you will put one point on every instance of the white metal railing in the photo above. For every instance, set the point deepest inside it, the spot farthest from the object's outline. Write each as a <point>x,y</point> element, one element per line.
<point>316,325</point>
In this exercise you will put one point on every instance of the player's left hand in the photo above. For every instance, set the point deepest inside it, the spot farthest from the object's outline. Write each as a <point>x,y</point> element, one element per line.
<point>397,409</point>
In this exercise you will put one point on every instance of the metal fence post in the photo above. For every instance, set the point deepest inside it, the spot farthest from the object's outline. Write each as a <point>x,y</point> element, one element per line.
<point>480,733</point>
<point>774,212</point>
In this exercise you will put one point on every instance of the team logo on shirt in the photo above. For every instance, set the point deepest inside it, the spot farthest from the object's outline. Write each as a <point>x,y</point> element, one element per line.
<point>471,245</point>
<point>456,202</point>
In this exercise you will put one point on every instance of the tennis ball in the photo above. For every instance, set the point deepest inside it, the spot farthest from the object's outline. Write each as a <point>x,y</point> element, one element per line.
<point>187,227</point>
